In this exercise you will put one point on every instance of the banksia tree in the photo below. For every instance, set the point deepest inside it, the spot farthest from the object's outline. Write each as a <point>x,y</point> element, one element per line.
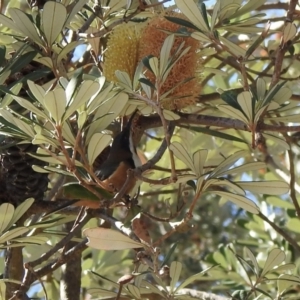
<point>214,98</point>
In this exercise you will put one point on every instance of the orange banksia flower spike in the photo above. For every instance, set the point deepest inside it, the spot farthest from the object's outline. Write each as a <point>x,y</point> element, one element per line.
<point>151,41</point>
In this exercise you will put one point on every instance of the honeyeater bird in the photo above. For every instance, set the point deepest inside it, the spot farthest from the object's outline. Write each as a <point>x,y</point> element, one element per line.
<point>122,157</point>
<point>113,172</point>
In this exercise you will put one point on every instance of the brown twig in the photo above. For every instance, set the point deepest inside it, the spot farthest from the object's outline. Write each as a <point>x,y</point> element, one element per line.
<point>283,47</point>
<point>281,231</point>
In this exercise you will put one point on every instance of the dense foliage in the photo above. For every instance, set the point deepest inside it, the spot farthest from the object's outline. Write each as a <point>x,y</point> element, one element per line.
<point>214,89</point>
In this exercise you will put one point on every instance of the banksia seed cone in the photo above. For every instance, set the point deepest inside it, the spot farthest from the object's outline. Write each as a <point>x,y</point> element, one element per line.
<point>151,41</point>
<point>122,51</point>
<point>21,181</point>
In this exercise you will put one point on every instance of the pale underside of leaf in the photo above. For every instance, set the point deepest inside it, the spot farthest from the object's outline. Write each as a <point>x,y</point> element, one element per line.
<point>109,239</point>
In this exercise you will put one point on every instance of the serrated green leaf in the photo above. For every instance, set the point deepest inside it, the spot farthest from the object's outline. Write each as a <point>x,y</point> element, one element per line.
<point>275,258</point>
<point>275,187</point>
<point>240,201</point>
<point>96,145</point>
<point>53,18</point>
<point>6,214</point>
<point>109,239</point>
<point>175,271</point>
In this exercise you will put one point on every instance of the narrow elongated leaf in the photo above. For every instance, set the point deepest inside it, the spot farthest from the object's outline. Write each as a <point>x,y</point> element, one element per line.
<point>165,53</point>
<point>240,201</point>
<point>169,115</point>
<point>109,239</point>
<point>289,32</point>
<point>233,112</point>
<point>8,98</point>
<point>53,18</point>
<point>285,281</point>
<point>9,235</point>
<point>134,291</point>
<point>275,258</point>
<point>253,166</point>
<point>180,152</point>
<point>97,143</point>
<point>261,88</point>
<point>107,112</point>
<point>227,163</point>
<point>24,24</point>
<point>153,62</point>
<point>124,78</point>
<point>20,210</point>
<point>55,102</point>
<point>275,187</point>
<point>175,271</point>
<point>74,190</point>
<point>193,278</point>
<point>199,158</point>
<point>200,37</point>
<point>227,183</point>
<point>283,95</point>
<point>245,101</point>
<point>87,90</point>
<point>6,215</point>
<point>190,9</point>
<point>5,21</point>
<point>26,104</point>
<point>76,8</point>
<point>37,91</point>
<point>251,256</point>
